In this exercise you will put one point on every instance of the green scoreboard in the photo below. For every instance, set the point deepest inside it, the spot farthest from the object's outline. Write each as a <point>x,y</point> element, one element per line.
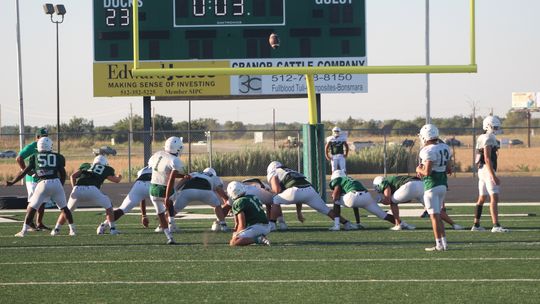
<point>230,33</point>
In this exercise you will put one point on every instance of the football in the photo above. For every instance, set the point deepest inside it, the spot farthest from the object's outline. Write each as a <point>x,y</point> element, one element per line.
<point>273,40</point>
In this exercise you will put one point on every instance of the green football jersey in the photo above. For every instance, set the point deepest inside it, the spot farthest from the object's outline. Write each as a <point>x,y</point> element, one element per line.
<point>252,208</point>
<point>25,154</point>
<point>94,174</point>
<point>395,182</point>
<point>347,184</point>
<point>46,165</point>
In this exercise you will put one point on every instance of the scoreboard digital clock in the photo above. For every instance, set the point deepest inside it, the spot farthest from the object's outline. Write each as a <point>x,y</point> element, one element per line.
<point>233,33</point>
<point>218,13</point>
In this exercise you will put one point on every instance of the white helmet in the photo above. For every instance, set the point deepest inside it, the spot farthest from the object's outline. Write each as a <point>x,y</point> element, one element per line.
<point>210,171</point>
<point>491,124</point>
<point>44,144</point>
<point>235,189</point>
<point>272,166</point>
<point>335,131</point>
<point>377,181</point>
<point>174,145</point>
<point>100,159</point>
<point>338,173</point>
<point>429,132</point>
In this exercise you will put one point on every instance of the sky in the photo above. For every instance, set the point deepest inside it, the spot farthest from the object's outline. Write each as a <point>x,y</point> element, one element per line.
<point>507,47</point>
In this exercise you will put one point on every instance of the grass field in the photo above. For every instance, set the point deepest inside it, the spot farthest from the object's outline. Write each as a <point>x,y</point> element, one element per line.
<point>307,264</point>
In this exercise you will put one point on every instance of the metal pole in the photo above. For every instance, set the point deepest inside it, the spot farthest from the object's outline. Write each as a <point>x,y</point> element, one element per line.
<point>274,125</point>
<point>189,135</point>
<point>19,72</point>
<point>57,88</point>
<point>428,80</point>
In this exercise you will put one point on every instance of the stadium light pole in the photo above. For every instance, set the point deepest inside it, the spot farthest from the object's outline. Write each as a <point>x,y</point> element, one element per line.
<point>60,10</point>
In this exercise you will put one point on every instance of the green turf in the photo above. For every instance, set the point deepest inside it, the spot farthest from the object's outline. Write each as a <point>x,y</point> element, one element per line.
<point>307,264</point>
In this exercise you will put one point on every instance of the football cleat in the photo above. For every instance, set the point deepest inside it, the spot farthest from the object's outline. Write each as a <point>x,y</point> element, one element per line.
<point>33,227</point>
<point>350,226</point>
<point>113,231</point>
<point>396,228</point>
<point>499,229</point>
<point>171,241</point>
<point>20,234</point>
<point>283,226</point>
<point>72,232</point>
<point>55,231</point>
<point>262,240</point>
<point>479,228</point>
<point>407,226</point>
<point>158,229</point>
<point>457,227</point>
<point>334,228</point>
<point>100,229</point>
<point>435,249</point>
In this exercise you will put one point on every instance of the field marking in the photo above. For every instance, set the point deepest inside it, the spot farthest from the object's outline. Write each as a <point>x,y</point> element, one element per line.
<point>439,259</point>
<point>204,282</point>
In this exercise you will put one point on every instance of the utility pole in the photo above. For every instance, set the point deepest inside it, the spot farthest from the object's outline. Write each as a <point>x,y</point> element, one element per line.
<point>428,79</point>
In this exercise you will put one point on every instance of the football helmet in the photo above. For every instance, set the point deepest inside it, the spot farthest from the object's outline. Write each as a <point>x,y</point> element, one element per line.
<point>174,145</point>
<point>377,181</point>
<point>44,144</point>
<point>491,124</point>
<point>336,131</point>
<point>273,166</point>
<point>210,171</point>
<point>100,159</point>
<point>338,173</point>
<point>235,189</point>
<point>429,132</point>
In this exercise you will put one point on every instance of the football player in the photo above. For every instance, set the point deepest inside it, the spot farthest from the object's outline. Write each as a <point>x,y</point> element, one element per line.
<point>49,167</point>
<point>31,181</point>
<point>86,184</point>
<point>204,187</point>
<point>488,182</point>
<point>401,189</point>
<point>262,191</point>
<point>166,168</point>
<point>349,192</point>
<point>336,149</point>
<point>291,187</point>
<point>139,194</point>
<point>435,164</point>
<point>250,221</point>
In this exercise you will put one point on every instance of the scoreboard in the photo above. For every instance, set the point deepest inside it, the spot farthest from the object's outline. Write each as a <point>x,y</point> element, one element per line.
<point>228,33</point>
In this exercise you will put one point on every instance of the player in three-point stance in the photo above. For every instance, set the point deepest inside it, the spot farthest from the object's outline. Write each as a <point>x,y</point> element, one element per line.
<point>346,191</point>
<point>435,164</point>
<point>48,166</point>
<point>86,184</point>
<point>291,187</point>
<point>204,187</point>
<point>488,182</point>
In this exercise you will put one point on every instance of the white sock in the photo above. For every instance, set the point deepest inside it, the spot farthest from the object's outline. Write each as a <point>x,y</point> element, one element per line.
<point>25,228</point>
<point>438,243</point>
<point>443,241</point>
<point>171,219</point>
<point>71,227</point>
<point>336,221</point>
<point>167,233</point>
<point>57,226</point>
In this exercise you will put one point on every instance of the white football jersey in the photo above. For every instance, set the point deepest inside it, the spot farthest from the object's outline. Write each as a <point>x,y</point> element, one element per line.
<point>341,137</point>
<point>162,163</point>
<point>145,170</point>
<point>439,155</point>
<point>214,181</point>
<point>485,140</point>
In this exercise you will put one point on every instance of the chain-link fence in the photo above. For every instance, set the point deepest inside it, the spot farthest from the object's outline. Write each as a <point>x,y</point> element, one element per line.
<point>248,152</point>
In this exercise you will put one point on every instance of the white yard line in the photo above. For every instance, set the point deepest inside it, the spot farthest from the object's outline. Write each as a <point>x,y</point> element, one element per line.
<point>439,259</point>
<point>235,282</point>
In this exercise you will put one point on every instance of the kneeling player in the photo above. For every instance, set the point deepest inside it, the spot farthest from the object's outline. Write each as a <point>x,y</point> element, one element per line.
<point>250,222</point>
